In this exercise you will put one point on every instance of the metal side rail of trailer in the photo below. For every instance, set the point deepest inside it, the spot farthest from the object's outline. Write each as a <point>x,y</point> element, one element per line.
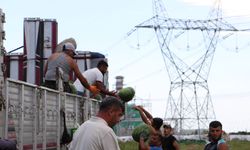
<point>32,114</point>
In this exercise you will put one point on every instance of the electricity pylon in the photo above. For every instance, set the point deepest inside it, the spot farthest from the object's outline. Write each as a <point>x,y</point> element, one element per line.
<point>189,105</point>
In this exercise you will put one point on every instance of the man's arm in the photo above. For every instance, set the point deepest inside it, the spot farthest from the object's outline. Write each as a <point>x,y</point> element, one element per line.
<point>144,117</point>
<point>223,146</point>
<point>83,80</point>
<point>148,115</point>
<point>176,145</point>
<point>103,90</point>
<point>143,145</point>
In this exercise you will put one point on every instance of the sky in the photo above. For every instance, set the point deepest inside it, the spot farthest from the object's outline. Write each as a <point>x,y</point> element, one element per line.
<point>104,26</point>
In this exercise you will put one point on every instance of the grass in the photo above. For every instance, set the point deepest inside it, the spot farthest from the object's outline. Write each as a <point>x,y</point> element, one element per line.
<point>192,145</point>
<point>239,145</point>
<point>131,145</point>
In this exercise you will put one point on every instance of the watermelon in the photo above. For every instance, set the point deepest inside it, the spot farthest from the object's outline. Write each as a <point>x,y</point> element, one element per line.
<point>126,94</point>
<point>141,130</point>
<point>73,88</point>
<point>98,97</point>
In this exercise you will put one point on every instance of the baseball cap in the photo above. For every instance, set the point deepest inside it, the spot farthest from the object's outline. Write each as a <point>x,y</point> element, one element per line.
<point>69,46</point>
<point>167,126</point>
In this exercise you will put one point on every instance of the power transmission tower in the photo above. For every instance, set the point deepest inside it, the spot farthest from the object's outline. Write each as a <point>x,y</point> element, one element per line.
<point>189,105</point>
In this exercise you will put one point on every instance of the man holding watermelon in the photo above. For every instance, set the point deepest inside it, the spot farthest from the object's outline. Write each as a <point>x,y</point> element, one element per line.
<point>154,125</point>
<point>94,76</point>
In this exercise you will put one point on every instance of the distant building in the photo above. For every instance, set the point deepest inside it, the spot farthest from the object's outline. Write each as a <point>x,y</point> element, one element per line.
<point>131,119</point>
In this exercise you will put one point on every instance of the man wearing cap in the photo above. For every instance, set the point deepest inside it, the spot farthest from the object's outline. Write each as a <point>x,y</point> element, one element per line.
<point>169,142</point>
<point>65,61</point>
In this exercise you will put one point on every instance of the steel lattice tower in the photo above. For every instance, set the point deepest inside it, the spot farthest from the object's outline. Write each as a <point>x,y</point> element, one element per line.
<point>189,105</point>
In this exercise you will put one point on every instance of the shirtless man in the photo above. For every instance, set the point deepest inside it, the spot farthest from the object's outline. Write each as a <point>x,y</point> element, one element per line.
<point>155,132</point>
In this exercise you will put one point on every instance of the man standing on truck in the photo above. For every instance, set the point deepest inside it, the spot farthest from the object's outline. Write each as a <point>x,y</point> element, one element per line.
<point>94,76</point>
<point>65,61</point>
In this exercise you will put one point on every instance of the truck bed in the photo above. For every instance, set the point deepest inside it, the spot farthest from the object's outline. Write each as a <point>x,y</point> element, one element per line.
<point>32,114</point>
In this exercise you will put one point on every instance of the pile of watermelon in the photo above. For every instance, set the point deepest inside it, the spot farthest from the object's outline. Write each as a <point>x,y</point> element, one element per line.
<point>126,94</point>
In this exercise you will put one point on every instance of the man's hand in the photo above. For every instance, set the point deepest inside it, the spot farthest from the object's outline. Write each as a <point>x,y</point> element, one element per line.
<point>114,93</point>
<point>137,107</point>
<point>94,89</point>
<point>144,136</point>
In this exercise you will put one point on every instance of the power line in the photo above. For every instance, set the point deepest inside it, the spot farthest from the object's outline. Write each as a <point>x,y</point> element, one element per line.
<point>109,48</point>
<point>134,61</point>
<point>145,76</point>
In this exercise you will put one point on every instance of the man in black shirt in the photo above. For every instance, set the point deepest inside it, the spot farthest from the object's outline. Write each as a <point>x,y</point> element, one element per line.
<point>169,142</point>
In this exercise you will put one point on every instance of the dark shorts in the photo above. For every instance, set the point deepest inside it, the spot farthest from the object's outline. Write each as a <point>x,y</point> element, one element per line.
<point>52,85</point>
